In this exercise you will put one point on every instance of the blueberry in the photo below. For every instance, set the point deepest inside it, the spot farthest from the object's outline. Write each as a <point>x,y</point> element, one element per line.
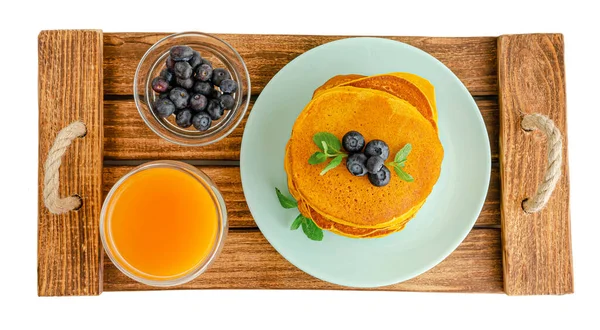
<point>170,64</point>
<point>377,148</point>
<point>198,102</point>
<point>380,178</point>
<point>203,72</point>
<point>183,118</point>
<point>164,95</point>
<point>228,86</point>
<point>181,53</point>
<point>356,164</point>
<point>180,97</point>
<point>227,101</point>
<point>353,141</point>
<point>214,94</point>
<point>164,108</point>
<point>167,75</point>
<point>195,60</point>
<point>183,70</point>
<point>203,87</point>
<point>185,83</point>
<point>218,75</point>
<point>201,121</point>
<point>160,85</point>
<point>214,109</point>
<point>374,164</point>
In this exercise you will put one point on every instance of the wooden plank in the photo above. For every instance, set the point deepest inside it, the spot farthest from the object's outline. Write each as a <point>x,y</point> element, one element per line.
<point>70,89</point>
<point>490,212</point>
<point>537,247</point>
<point>126,136</point>
<point>248,261</point>
<point>472,59</point>
<point>227,178</point>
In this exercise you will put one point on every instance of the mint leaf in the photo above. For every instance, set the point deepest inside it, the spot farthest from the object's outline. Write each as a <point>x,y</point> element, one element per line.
<point>325,148</point>
<point>400,161</point>
<point>333,143</point>
<point>286,202</point>
<point>330,146</point>
<point>317,158</point>
<point>311,230</point>
<point>403,175</point>
<point>296,224</point>
<point>332,164</point>
<point>318,140</point>
<point>403,153</point>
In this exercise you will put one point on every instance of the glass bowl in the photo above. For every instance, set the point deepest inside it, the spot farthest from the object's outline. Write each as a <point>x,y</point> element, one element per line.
<point>112,250</point>
<point>217,51</point>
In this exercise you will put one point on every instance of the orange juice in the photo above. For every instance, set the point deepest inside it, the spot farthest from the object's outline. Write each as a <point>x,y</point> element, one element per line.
<point>161,223</point>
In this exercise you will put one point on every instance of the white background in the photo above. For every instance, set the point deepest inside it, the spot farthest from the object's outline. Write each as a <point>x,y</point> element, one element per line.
<point>21,23</point>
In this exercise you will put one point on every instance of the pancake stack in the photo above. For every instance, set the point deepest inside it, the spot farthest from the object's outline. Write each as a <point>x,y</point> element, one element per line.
<point>398,108</point>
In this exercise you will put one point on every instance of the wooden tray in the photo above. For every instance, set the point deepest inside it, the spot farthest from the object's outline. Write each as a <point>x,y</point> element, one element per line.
<point>87,75</point>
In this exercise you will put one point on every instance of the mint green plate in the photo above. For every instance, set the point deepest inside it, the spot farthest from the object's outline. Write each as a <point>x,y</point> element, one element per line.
<point>442,223</point>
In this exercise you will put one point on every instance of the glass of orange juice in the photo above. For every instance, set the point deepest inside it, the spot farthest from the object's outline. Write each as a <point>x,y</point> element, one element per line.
<point>163,223</point>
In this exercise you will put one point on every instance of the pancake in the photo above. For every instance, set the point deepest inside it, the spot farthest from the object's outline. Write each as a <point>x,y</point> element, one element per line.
<point>336,81</point>
<point>400,85</point>
<point>424,85</point>
<point>326,223</point>
<point>352,204</point>
<point>409,87</point>
<point>349,231</point>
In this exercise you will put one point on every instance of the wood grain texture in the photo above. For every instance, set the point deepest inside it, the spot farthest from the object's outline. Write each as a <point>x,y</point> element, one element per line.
<point>472,59</point>
<point>536,247</point>
<point>70,88</point>
<point>228,179</point>
<point>126,136</point>
<point>248,261</point>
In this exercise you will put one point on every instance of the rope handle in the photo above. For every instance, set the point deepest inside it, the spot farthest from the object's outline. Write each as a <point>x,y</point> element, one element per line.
<point>63,140</point>
<point>553,170</point>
